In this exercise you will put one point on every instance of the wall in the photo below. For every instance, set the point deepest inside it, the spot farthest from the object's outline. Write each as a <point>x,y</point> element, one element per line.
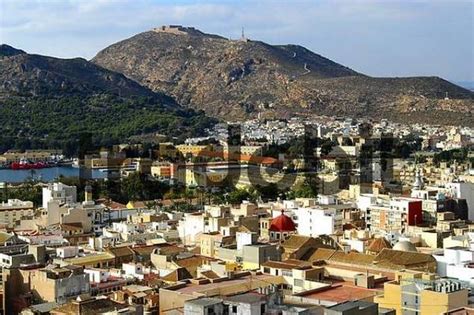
<point>314,222</point>
<point>75,215</point>
<point>437,303</point>
<point>172,300</point>
<point>391,297</point>
<point>72,286</point>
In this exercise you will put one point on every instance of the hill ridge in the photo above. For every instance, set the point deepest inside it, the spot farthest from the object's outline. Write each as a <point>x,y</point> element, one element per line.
<point>238,79</point>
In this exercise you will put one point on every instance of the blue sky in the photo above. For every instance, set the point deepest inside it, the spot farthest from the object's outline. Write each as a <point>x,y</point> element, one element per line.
<point>379,38</point>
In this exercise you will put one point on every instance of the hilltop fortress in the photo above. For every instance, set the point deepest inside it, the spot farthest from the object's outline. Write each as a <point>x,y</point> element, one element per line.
<point>184,30</point>
<point>175,29</point>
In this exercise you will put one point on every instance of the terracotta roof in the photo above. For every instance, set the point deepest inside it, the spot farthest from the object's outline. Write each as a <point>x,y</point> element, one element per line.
<point>249,225</point>
<point>194,261</point>
<point>322,254</point>
<point>390,257</point>
<point>282,223</point>
<point>295,241</point>
<point>378,244</point>
<point>340,293</point>
<point>112,205</point>
<point>209,274</point>
<point>387,258</point>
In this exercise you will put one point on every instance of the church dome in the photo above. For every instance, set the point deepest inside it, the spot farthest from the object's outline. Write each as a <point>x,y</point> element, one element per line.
<point>405,246</point>
<point>282,223</point>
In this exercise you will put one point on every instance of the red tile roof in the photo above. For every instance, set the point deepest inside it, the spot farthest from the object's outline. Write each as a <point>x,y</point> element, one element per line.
<point>282,223</point>
<point>341,292</point>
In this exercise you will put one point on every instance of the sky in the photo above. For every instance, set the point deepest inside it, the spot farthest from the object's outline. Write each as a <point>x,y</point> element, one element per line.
<point>377,37</point>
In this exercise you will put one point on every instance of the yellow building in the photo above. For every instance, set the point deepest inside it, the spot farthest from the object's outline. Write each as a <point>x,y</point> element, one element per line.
<point>422,293</point>
<point>254,150</point>
<point>203,178</point>
<point>192,150</point>
<point>210,242</point>
<point>108,163</point>
<point>95,260</point>
<point>14,210</point>
<point>31,155</point>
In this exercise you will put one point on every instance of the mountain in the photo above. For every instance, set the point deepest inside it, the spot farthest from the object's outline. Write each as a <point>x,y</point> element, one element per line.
<point>30,75</point>
<point>236,79</point>
<point>53,102</point>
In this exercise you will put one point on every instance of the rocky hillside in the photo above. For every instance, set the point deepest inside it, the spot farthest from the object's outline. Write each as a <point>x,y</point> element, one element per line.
<point>51,102</point>
<point>30,75</point>
<point>234,79</point>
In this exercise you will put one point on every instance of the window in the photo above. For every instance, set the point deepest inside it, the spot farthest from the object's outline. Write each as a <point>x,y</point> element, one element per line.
<point>234,308</point>
<point>262,308</point>
<point>298,282</point>
<point>287,273</point>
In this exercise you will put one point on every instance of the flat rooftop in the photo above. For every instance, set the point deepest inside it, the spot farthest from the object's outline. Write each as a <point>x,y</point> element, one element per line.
<point>342,292</point>
<point>233,286</point>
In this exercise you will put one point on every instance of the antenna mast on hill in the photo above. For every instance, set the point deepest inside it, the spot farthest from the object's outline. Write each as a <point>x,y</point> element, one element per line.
<point>242,37</point>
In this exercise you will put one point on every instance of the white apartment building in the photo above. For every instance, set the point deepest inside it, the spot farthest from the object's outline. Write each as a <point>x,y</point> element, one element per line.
<point>135,271</point>
<point>59,192</point>
<point>191,226</point>
<point>97,275</point>
<point>463,191</point>
<point>314,217</point>
<point>314,221</point>
<point>456,262</point>
<point>317,221</point>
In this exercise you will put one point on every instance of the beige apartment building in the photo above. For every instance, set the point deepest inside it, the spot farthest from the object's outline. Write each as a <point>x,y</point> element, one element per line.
<point>13,210</point>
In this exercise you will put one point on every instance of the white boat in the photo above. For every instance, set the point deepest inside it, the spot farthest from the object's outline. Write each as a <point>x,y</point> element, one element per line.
<point>75,163</point>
